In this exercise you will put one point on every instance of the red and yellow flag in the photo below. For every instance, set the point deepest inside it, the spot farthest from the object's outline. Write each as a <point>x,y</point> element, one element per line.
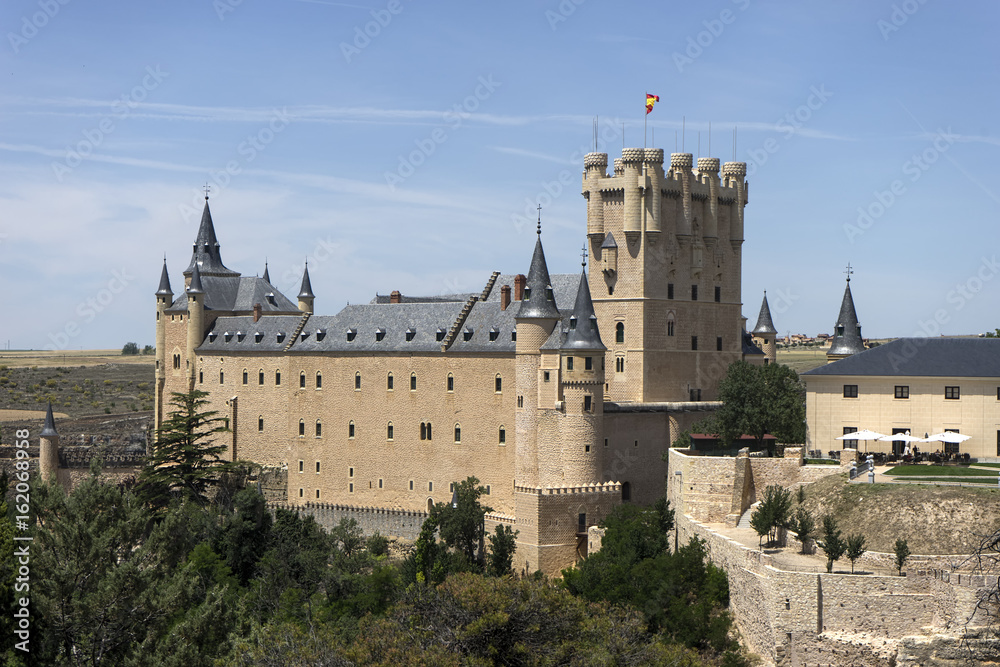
<point>650,101</point>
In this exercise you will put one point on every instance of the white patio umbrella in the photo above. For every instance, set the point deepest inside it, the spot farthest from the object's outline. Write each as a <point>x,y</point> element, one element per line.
<point>863,434</point>
<point>947,436</point>
<point>901,437</point>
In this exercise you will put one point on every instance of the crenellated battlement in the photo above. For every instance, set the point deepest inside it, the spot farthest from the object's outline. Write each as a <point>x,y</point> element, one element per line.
<point>606,487</point>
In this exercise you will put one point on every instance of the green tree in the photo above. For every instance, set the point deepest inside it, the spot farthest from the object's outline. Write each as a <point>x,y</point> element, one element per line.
<point>244,535</point>
<point>460,522</point>
<point>186,459</point>
<point>804,526</point>
<point>148,349</point>
<point>833,544</point>
<point>503,543</point>
<point>855,548</point>
<point>773,512</point>
<point>129,349</point>
<point>902,552</point>
<point>761,521</point>
<point>761,400</point>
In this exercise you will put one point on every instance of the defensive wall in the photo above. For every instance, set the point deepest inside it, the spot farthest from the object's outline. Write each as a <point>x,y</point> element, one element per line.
<point>807,619</point>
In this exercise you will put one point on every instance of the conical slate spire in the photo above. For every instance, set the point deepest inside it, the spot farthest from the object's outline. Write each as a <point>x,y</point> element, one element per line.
<point>206,249</point>
<point>164,289</point>
<point>195,286</point>
<point>764,323</point>
<point>266,276</point>
<point>49,429</point>
<point>306,292</point>
<point>538,302</point>
<point>583,332</point>
<point>847,334</point>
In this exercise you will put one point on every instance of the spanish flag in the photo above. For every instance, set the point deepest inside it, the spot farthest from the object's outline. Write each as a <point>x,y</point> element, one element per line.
<point>650,101</point>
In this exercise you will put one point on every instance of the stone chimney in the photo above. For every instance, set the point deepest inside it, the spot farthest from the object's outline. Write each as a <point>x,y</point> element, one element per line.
<point>395,297</point>
<point>504,297</point>
<point>519,282</point>
<point>256,312</point>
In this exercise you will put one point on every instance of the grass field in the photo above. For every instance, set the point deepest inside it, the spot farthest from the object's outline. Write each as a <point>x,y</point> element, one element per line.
<point>936,471</point>
<point>45,359</point>
<point>78,389</point>
<point>983,481</point>
<point>801,359</point>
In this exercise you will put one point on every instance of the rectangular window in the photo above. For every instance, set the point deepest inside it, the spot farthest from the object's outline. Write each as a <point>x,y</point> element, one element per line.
<point>670,327</point>
<point>222,377</point>
<point>850,444</point>
<point>260,378</point>
<point>301,466</point>
<point>350,472</point>
<point>413,382</point>
<point>302,380</point>
<point>546,376</point>
<point>277,378</point>
<point>581,524</point>
<point>245,377</point>
<point>380,483</point>
<point>670,290</point>
<point>694,342</point>
<point>319,381</point>
<point>952,393</point>
<point>302,427</point>
<point>902,391</point>
<point>718,294</point>
<point>850,391</point>
<point>569,363</point>
<point>694,292</point>
<point>588,363</point>
<point>201,377</point>
<point>260,423</point>
<point>451,383</point>
<point>718,343</point>
<point>411,485</point>
<point>350,487</point>
<point>951,448</point>
<point>587,403</point>
<point>317,467</point>
<point>430,486</point>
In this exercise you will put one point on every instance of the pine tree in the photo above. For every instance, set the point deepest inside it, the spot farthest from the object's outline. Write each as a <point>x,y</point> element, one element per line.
<point>186,459</point>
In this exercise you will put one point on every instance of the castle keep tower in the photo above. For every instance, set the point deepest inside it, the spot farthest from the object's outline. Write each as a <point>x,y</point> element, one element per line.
<point>666,258</point>
<point>764,333</point>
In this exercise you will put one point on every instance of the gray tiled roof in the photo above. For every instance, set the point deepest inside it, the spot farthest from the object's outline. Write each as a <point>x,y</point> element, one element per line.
<point>443,298</point>
<point>609,241</point>
<point>164,289</point>
<point>238,294</point>
<point>922,357</point>
<point>49,429</point>
<point>583,331</point>
<point>306,291</point>
<point>206,251</point>
<point>537,304</point>
<point>764,323</point>
<point>484,318</point>
<point>749,347</point>
<point>365,320</point>
<point>245,335</point>
<point>195,287</point>
<point>850,341</point>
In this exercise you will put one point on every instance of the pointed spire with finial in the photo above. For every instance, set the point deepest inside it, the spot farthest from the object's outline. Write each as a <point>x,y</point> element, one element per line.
<point>206,250</point>
<point>583,332</point>
<point>847,333</point>
<point>306,291</point>
<point>764,323</point>
<point>49,429</point>
<point>195,286</point>
<point>266,276</point>
<point>164,289</point>
<point>538,301</point>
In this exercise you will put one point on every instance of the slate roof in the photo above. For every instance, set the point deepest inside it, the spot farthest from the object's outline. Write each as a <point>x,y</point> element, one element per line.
<point>850,341</point>
<point>49,429</point>
<point>164,289</point>
<point>749,347</point>
<point>537,304</point>
<point>583,332</point>
<point>238,294</point>
<point>609,241</point>
<point>484,318</point>
<point>922,357</point>
<point>206,251</point>
<point>424,319</point>
<point>242,334</point>
<point>306,291</point>
<point>764,323</point>
<point>442,298</point>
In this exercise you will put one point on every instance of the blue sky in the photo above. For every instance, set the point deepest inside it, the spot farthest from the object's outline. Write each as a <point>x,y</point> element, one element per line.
<point>401,145</point>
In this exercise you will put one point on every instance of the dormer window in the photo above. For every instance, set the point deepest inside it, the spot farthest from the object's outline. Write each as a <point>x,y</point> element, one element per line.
<point>467,334</point>
<point>212,336</point>
<point>240,336</point>
<point>440,334</point>
<point>270,298</point>
<point>494,333</point>
<point>303,335</point>
<point>280,336</point>
<point>548,293</point>
<point>320,334</point>
<point>527,292</point>
<point>228,336</point>
<point>410,333</point>
<point>351,333</point>
<point>572,322</point>
<point>379,333</point>
<point>258,336</point>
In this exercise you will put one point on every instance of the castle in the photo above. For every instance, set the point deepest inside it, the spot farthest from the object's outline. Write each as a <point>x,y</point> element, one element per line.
<point>560,392</point>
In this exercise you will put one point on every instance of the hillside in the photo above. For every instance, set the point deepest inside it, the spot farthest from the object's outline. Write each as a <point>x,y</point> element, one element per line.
<point>932,519</point>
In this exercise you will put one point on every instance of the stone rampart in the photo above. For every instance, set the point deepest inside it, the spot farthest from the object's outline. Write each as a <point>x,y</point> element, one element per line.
<point>388,522</point>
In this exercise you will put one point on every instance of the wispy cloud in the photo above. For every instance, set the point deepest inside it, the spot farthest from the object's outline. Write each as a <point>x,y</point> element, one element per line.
<point>532,154</point>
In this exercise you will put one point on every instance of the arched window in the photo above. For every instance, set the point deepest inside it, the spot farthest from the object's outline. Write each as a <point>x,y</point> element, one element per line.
<point>177,361</point>
<point>260,377</point>
<point>670,326</point>
<point>498,384</point>
<point>319,380</point>
<point>302,428</point>
<point>277,378</point>
<point>413,381</point>
<point>429,434</point>
<point>302,380</point>
<point>319,430</point>
<point>350,430</point>
<point>503,435</point>
<point>222,377</point>
<point>388,431</point>
<point>458,433</point>
<point>620,332</point>
<point>388,382</point>
<point>619,364</point>
<point>357,381</point>
<point>423,431</point>
<point>626,492</point>
<point>201,377</point>
<point>451,382</point>
<point>260,423</point>
<point>246,376</point>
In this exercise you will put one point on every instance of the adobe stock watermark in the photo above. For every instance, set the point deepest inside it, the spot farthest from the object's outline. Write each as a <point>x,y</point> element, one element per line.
<point>30,25</point>
<point>223,7</point>
<point>564,180</point>
<point>913,168</point>
<point>788,124</point>
<point>120,109</point>
<point>88,310</point>
<point>248,150</point>
<point>564,10</point>
<point>22,552</point>
<point>363,35</point>
<point>453,120</point>
<point>698,43</point>
<point>900,14</point>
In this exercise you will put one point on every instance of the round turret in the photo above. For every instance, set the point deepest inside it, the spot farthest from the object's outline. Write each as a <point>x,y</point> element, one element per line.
<point>681,160</point>
<point>735,169</point>
<point>653,155</point>
<point>595,160</point>
<point>619,166</point>
<point>632,156</point>
<point>708,164</point>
